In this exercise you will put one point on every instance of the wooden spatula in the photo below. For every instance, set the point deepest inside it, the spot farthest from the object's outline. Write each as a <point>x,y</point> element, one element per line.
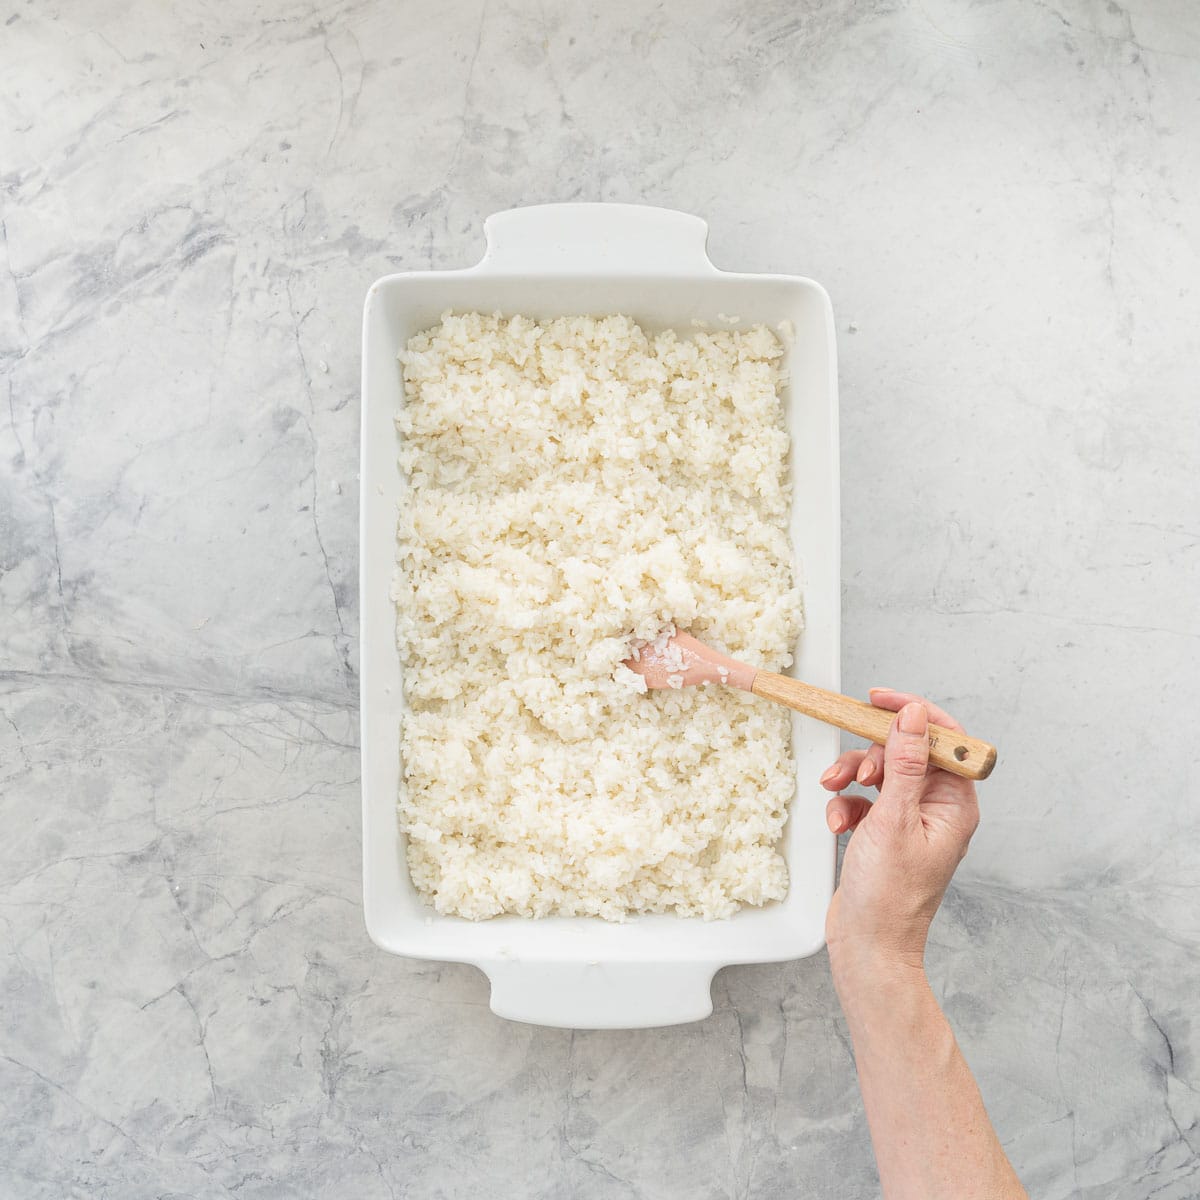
<point>678,660</point>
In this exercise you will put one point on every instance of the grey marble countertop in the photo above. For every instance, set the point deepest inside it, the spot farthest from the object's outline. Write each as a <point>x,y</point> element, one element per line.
<point>1002,198</point>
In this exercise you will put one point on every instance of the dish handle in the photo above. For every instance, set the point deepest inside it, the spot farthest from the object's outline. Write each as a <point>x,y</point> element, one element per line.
<point>596,239</point>
<point>601,995</point>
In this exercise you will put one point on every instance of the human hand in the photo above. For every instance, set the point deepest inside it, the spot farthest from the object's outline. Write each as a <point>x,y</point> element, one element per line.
<point>906,845</point>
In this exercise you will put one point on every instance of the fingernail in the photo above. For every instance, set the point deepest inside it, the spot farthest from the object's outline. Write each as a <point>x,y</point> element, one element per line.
<point>865,771</point>
<point>830,773</point>
<point>837,823</point>
<point>913,719</point>
<point>881,689</point>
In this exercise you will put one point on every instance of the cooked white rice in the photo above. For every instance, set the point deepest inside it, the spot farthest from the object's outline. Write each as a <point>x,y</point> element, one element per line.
<point>577,485</point>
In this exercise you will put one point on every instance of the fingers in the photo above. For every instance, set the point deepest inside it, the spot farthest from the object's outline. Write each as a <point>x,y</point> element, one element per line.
<point>855,766</point>
<point>906,758</point>
<point>845,812</point>
<point>870,770</point>
<point>891,699</point>
<point>867,767</point>
<point>843,771</point>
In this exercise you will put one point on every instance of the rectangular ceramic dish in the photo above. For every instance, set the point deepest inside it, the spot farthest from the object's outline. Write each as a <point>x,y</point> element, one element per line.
<point>651,264</point>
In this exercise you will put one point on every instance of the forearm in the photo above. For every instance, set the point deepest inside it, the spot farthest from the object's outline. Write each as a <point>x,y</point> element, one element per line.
<point>932,1136</point>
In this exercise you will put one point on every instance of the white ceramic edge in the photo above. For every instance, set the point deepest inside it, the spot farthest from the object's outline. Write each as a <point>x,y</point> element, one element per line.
<point>601,995</point>
<point>596,239</point>
<point>611,994</point>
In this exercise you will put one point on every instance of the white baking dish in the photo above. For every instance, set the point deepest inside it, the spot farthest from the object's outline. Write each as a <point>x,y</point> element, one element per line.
<point>651,264</point>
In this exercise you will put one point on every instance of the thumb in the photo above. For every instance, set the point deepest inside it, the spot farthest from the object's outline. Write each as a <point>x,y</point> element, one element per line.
<point>905,758</point>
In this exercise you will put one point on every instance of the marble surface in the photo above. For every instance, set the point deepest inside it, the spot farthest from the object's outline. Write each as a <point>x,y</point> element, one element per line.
<point>1002,198</point>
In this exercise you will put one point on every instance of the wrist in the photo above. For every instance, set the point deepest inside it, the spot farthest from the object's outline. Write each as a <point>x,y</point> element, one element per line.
<point>863,967</point>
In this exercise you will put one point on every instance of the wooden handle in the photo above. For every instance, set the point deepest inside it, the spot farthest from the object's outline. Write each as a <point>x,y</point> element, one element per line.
<point>954,752</point>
